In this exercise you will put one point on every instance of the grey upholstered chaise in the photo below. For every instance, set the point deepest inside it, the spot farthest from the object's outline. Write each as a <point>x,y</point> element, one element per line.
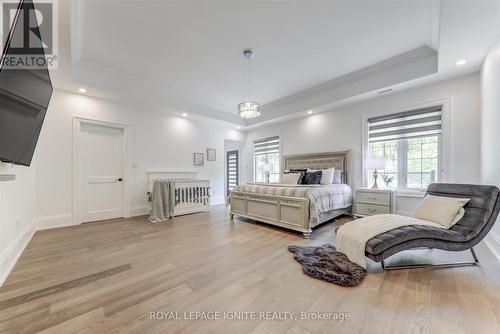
<point>481,213</point>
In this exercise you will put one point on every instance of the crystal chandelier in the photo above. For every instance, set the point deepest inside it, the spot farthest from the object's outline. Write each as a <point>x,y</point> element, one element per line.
<point>249,108</point>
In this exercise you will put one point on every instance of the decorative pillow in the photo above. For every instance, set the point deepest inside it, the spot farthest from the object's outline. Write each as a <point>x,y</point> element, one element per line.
<point>460,215</point>
<point>312,178</point>
<point>301,171</point>
<point>440,209</point>
<point>326,175</point>
<point>337,176</point>
<point>290,178</point>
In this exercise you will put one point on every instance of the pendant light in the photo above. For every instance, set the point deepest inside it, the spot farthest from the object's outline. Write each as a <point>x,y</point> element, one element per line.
<point>248,109</point>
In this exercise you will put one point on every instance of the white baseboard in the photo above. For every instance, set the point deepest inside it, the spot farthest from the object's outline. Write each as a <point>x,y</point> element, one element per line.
<point>54,221</point>
<point>217,200</point>
<point>142,210</point>
<point>10,256</point>
<point>492,240</point>
<point>63,220</point>
<point>139,210</point>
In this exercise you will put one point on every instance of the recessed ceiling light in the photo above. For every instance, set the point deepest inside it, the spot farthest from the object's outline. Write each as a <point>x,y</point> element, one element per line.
<point>461,62</point>
<point>309,112</point>
<point>238,127</point>
<point>82,90</point>
<point>184,114</point>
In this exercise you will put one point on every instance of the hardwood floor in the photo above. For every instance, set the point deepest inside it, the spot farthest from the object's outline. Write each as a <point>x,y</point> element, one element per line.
<point>106,277</point>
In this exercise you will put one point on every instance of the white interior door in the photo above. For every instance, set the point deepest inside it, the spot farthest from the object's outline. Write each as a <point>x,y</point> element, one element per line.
<point>101,166</point>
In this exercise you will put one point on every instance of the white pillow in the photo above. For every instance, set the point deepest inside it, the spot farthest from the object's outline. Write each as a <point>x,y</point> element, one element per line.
<point>326,175</point>
<point>441,210</point>
<point>337,176</point>
<point>460,215</point>
<point>290,178</point>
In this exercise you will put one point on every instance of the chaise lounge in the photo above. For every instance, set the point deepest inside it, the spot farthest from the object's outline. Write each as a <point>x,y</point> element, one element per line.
<point>481,213</point>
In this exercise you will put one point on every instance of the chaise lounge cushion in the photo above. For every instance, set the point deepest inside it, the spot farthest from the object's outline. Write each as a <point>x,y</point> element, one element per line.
<point>394,237</point>
<point>480,215</point>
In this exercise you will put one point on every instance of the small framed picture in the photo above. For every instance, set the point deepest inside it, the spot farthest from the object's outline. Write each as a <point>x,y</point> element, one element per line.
<point>199,159</point>
<point>211,154</point>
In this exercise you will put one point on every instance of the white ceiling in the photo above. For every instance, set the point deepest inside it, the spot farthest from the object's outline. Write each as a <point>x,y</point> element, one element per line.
<point>188,53</point>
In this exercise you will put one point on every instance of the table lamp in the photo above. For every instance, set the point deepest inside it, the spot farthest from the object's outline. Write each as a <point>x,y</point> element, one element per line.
<point>267,168</point>
<point>375,164</point>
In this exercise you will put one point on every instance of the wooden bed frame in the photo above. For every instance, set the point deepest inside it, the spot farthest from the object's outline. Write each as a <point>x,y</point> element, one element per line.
<point>292,212</point>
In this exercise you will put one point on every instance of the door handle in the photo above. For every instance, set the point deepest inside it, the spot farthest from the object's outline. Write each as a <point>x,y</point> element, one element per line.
<point>120,179</point>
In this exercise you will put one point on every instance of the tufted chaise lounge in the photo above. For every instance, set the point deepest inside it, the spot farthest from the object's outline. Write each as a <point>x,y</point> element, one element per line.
<point>481,213</point>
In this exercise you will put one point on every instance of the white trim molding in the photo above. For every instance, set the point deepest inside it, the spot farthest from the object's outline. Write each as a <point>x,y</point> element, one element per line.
<point>217,201</point>
<point>53,221</point>
<point>409,193</point>
<point>140,210</point>
<point>127,163</point>
<point>11,255</point>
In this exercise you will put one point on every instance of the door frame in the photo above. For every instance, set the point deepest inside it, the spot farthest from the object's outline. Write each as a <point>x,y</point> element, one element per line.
<point>227,169</point>
<point>127,162</point>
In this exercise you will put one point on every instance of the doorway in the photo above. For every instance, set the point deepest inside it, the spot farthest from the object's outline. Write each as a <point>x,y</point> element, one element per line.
<point>232,149</point>
<point>232,170</point>
<point>100,169</point>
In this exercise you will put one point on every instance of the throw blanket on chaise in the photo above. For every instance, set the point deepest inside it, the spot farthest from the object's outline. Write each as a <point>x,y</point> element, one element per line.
<point>353,236</point>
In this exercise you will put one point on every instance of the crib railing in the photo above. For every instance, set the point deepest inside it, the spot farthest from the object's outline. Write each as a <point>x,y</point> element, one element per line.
<point>191,196</point>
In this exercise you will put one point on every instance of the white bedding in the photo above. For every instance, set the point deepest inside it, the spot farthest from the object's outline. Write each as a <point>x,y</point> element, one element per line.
<point>353,236</point>
<point>322,198</point>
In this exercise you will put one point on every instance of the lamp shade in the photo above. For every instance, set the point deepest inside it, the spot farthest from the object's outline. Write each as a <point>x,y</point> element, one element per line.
<point>268,168</point>
<point>374,163</point>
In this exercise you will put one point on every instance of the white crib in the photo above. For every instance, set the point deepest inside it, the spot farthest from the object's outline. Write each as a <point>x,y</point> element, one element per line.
<point>191,194</point>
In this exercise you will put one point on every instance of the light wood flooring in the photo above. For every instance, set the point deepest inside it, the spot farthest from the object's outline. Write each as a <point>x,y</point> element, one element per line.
<point>106,277</point>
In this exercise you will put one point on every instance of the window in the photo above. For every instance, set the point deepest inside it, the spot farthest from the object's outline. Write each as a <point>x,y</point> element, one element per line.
<point>411,144</point>
<point>266,152</point>
<point>232,170</point>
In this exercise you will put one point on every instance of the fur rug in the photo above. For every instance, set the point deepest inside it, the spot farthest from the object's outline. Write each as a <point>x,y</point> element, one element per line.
<point>325,263</point>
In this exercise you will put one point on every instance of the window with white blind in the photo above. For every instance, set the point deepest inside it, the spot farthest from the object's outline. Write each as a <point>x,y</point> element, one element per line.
<point>266,154</point>
<point>411,143</point>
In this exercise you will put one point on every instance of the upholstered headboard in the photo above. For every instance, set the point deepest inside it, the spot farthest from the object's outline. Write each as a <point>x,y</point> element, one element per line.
<point>337,160</point>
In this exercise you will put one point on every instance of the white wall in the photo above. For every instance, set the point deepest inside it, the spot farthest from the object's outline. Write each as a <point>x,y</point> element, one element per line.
<point>490,129</point>
<point>341,129</point>
<point>17,202</point>
<point>159,141</point>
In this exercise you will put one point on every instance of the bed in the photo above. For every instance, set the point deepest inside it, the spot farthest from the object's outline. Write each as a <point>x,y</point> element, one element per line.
<point>297,207</point>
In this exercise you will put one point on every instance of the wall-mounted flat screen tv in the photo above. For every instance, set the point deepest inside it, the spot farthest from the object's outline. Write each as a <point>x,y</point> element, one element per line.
<point>24,93</point>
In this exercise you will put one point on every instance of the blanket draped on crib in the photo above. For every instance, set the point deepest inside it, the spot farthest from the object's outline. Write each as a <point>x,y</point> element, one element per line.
<point>162,201</point>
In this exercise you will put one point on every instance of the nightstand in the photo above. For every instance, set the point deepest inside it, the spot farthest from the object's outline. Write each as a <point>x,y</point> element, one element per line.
<point>369,202</point>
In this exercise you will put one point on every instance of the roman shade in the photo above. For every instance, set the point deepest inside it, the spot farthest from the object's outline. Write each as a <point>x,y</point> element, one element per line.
<point>409,124</point>
<point>267,145</point>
